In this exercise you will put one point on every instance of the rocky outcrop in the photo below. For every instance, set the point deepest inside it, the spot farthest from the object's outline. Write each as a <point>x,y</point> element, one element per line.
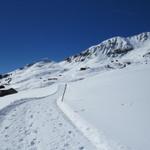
<point>2,86</point>
<point>7,92</point>
<point>4,76</point>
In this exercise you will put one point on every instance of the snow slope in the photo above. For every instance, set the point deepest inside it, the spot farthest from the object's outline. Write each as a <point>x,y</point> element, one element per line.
<point>114,53</point>
<point>117,103</point>
<point>106,104</point>
<point>38,124</point>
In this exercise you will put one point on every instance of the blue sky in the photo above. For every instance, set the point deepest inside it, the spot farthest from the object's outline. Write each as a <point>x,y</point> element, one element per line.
<point>34,29</point>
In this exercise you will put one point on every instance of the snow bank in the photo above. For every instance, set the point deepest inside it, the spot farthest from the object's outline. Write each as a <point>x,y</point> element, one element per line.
<point>88,130</point>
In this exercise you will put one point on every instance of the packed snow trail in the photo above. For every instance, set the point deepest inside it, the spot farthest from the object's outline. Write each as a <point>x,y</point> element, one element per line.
<point>38,124</point>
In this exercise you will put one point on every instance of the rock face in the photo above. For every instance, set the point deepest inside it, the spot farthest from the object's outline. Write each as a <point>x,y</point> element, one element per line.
<point>4,76</point>
<point>7,92</point>
<point>2,86</point>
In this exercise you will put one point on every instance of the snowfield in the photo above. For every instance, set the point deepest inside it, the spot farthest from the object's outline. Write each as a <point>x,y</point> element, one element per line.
<point>117,103</point>
<point>96,100</point>
<point>93,114</point>
<point>38,124</point>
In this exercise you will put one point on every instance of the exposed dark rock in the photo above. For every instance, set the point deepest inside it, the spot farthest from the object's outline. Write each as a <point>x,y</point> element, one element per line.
<point>108,66</point>
<point>52,78</point>
<point>84,68</point>
<point>7,92</point>
<point>2,86</point>
<point>116,52</point>
<point>68,59</point>
<point>29,65</point>
<point>128,63</point>
<point>147,54</point>
<point>4,76</point>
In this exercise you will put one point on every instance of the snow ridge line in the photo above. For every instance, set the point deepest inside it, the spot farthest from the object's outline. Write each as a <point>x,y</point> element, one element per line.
<point>90,132</point>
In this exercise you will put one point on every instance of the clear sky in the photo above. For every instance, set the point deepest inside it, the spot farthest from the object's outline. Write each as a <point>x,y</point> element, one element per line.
<point>34,29</point>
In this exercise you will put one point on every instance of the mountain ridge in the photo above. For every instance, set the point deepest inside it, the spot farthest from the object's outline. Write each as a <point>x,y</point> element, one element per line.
<point>114,53</point>
<point>112,47</point>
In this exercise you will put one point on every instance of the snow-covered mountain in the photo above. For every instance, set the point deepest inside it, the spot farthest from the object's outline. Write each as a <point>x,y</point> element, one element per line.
<point>105,103</point>
<point>116,52</point>
<point>112,48</point>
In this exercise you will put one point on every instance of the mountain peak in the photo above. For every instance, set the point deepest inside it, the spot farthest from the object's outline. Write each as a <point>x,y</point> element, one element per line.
<point>113,47</point>
<point>116,52</point>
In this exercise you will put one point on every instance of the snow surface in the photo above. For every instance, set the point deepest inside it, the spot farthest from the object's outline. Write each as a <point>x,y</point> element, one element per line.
<point>114,53</point>
<point>105,106</point>
<point>117,103</point>
<point>109,111</point>
<point>38,124</point>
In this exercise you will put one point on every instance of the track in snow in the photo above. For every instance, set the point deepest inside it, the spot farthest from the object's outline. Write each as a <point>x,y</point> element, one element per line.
<point>38,124</point>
